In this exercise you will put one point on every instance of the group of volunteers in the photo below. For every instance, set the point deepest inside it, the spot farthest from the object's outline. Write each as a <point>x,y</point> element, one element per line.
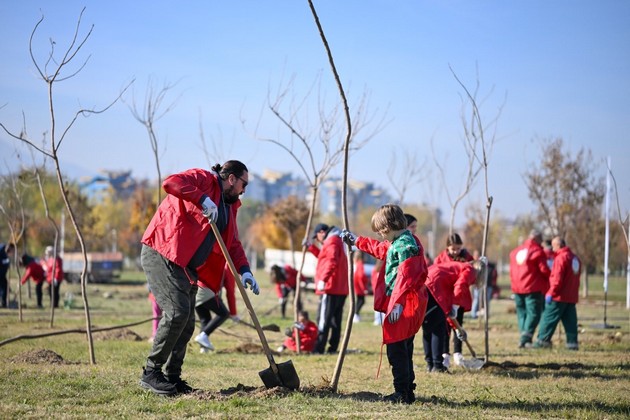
<point>545,283</point>
<point>49,269</point>
<point>186,272</point>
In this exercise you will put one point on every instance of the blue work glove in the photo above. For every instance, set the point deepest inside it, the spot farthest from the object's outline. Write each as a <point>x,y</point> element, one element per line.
<point>348,237</point>
<point>299,326</point>
<point>306,243</point>
<point>394,315</point>
<point>209,209</point>
<point>321,285</point>
<point>453,312</point>
<point>548,299</point>
<point>248,279</point>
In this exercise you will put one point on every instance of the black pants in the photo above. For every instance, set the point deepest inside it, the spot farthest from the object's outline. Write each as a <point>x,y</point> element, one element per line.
<point>53,292</point>
<point>208,323</point>
<point>329,315</point>
<point>400,357</point>
<point>360,303</point>
<point>38,293</point>
<point>434,333</point>
<point>3,291</point>
<point>457,343</point>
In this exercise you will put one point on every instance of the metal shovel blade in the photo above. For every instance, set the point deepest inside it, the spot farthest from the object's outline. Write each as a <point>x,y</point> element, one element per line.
<point>473,364</point>
<point>286,377</point>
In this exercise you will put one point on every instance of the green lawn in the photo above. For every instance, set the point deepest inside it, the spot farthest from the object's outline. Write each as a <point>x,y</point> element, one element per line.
<point>51,377</point>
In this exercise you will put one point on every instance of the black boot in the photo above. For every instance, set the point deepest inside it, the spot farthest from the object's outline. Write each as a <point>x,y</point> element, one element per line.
<point>411,397</point>
<point>396,398</point>
<point>181,386</point>
<point>154,380</point>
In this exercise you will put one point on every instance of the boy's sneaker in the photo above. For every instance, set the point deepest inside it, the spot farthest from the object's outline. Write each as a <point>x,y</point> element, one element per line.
<point>181,386</point>
<point>154,380</point>
<point>572,346</point>
<point>356,318</point>
<point>457,359</point>
<point>447,360</point>
<point>202,340</point>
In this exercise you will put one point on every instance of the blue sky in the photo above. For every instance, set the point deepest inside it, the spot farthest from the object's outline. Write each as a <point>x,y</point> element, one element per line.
<point>562,66</point>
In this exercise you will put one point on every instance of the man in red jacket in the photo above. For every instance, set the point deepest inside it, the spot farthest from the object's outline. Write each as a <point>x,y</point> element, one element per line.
<point>178,240</point>
<point>529,274</point>
<point>562,296</point>
<point>331,284</point>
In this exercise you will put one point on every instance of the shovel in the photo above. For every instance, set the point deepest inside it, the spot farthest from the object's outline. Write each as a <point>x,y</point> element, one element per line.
<point>473,363</point>
<point>282,374</point>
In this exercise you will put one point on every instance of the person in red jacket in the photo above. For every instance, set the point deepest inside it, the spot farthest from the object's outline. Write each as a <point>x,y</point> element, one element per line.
<point>448,284</point>
<point>178,240</point>
<point>331,284</point>
<point>529,275</point>
<point>402,296</point>
<point>454,251</point>
<point>53,264</point>
<point>308,335</point>
<point>209,300</point>
<point>285,281</point>
<point>35,271</point>
<point>562,296</point>
<point>360,284</point>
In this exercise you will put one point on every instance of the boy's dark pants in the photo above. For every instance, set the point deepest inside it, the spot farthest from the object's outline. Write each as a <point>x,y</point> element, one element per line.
<point>434,333</point>
<point>400,357</point>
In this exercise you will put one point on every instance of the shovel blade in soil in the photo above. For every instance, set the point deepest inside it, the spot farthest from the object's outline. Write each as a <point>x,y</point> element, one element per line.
<point>287,376</point>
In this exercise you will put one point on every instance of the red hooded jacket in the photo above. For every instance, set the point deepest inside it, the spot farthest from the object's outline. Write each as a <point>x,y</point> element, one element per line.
<point>444,256</point>
<point>409,291</point>
<point>48,266</point>
<point>450,283</point>
<point>178,227</point>
<point>308,338</point>
<point>564,282</point>
<point>529,272</point>
<point>332,267</point>
<point>33,270</point>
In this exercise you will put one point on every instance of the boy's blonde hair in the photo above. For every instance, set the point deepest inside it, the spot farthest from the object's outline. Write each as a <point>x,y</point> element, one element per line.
<point>388,218</point>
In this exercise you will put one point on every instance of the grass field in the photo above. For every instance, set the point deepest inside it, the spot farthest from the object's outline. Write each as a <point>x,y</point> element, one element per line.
<point>52,377</point>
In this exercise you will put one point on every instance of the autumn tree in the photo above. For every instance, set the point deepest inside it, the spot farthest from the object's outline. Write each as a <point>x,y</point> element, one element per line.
<point>568,196</point>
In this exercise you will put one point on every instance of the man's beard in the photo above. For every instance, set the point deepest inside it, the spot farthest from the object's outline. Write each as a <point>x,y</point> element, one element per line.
<point>230,196</point>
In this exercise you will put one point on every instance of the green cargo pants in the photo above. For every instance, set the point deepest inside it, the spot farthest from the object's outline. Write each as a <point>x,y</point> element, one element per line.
<point>529,308</point>
<point>555,312</point>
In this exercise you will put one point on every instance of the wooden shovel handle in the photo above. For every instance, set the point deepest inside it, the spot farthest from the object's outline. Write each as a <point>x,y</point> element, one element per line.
<point>455,324</point>
<point>250,309</point>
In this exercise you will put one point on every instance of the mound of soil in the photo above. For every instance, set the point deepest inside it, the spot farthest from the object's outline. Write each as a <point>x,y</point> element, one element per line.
<point>117,334</point>
<point>245,348</point>
<point>38,357</point>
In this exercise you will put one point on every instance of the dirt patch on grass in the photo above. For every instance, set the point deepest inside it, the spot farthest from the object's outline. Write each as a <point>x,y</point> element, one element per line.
<point>117,334</point>
<point>41,356</point>
<point>245,348</point>
<point>509,365</point>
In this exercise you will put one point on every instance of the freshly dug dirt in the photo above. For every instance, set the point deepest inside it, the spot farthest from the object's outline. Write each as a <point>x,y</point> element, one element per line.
<point>41,356</point>
<point>117,334</point>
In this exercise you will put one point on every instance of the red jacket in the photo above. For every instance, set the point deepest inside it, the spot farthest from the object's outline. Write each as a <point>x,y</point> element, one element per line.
<point>290,280</point>
<point>208,279</point>
<point>360,279</point>
<point>444,256</point>
<point>564,282</point>
<point>409,291</point>
<point>308,338</point>
<point>332,267</point>
<point>178,227</point>
<point>450,283</point>
<point>34,270</point>
<point>529,272</point>
<point>48,266</point>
